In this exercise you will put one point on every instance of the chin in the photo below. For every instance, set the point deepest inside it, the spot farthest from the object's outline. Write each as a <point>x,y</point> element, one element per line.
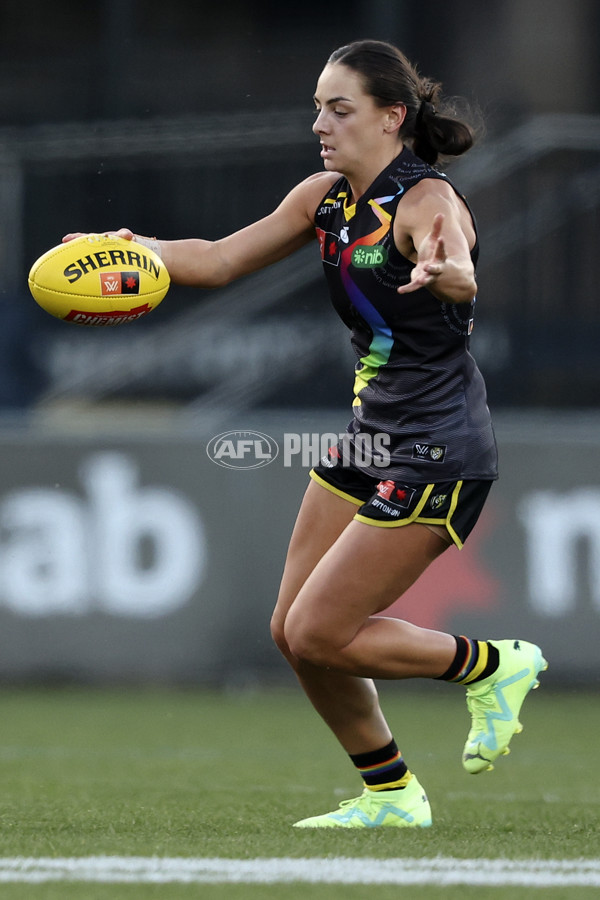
<point>330,166</point>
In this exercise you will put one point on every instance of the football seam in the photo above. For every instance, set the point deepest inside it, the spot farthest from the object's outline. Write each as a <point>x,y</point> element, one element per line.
<point>142,296</point>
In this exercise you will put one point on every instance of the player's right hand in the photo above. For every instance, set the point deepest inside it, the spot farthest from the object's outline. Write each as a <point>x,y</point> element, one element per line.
<point>124,233</point>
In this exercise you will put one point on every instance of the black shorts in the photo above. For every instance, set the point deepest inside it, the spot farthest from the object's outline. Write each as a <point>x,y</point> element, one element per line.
<point>454,505</point>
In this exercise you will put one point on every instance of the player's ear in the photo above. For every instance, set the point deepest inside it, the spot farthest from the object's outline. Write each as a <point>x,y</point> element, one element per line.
<point>394,118</point>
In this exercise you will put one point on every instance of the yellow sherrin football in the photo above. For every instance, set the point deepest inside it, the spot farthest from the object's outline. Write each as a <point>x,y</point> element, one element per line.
<point>99,279</point>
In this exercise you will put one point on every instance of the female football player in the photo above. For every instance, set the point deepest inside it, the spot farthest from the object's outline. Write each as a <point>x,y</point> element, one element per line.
<point>399,249</point>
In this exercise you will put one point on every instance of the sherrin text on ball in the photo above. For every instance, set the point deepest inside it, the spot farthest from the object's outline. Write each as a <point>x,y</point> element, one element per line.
<point>99,279</point>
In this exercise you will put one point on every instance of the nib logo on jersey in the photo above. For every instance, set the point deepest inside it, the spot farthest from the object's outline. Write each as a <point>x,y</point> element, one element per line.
<point>369,257</point>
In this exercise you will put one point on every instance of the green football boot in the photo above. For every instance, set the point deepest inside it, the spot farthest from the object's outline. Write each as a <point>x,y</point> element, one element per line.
<point>495,703</point>
<point>405,808</point>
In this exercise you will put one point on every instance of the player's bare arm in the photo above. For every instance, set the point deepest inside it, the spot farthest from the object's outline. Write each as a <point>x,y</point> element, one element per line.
<point>211,264</point>
<point>433,229</point>
<point>289,227</point>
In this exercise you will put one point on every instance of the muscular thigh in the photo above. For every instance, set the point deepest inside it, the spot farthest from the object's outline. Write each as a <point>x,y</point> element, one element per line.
<point>363,572</point>
<point>322,517</point>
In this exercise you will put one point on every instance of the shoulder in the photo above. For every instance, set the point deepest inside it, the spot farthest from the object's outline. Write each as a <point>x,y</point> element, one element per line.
<point>321,182</point>
<point>431,196</point>
<point>295,215</point>
<point>430,189</point>
<point>311,191</point>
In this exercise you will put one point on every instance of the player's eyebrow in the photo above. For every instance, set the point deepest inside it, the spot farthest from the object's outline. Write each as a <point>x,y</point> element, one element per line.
<point>333,100</point>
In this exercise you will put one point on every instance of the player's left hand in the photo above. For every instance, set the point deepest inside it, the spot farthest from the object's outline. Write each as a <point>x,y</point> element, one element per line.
<point>431,259</point>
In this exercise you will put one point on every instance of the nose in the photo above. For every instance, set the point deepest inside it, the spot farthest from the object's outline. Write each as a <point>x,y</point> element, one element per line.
<point>319,123</point>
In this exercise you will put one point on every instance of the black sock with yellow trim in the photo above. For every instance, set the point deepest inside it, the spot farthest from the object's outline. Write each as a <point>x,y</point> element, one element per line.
<point>474,661</point>
<point>384,769</point>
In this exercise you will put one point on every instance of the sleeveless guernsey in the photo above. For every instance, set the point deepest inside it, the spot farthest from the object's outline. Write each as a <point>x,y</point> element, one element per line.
<point>415,381</point>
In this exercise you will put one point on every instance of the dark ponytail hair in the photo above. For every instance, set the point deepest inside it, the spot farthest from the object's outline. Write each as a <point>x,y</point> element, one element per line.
<point>432,125</point>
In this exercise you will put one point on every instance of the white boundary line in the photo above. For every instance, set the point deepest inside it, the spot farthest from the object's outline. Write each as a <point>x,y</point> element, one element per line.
<point>438,871</point>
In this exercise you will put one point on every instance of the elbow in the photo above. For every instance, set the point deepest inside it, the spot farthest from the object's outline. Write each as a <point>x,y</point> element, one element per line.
<point>466,295</point>
<point>193,280</point>
<point>458,295</point>
<point>457,290</point>
<point>465,287</point>
<point>215,280</point>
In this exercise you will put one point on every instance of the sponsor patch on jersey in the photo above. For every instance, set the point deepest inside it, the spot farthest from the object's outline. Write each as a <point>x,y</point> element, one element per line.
<point>429,452</point>
<point>330,247</point>
<point>369,257</point>
<point>395,493</point>
<point>332,457</point>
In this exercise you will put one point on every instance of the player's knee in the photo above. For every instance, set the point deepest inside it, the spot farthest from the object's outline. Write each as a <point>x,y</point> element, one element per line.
<point>308,644</point>
<point>296,656</point>
<point>278,635</point>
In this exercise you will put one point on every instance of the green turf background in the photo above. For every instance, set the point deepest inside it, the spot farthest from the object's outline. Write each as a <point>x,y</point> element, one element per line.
<point>213,773</point>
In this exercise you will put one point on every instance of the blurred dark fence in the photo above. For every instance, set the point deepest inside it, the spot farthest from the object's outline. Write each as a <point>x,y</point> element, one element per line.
<point>535,192</point>
<point>184,121</point>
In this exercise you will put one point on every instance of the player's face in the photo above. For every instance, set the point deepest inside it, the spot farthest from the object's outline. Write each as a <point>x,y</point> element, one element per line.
<point>354,132</point>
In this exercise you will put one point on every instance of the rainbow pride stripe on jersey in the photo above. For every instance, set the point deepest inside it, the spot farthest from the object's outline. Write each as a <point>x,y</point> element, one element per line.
<point>382,341</point>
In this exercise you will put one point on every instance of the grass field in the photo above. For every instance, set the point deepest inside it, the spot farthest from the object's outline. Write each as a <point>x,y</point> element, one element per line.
<point>192,773</point>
